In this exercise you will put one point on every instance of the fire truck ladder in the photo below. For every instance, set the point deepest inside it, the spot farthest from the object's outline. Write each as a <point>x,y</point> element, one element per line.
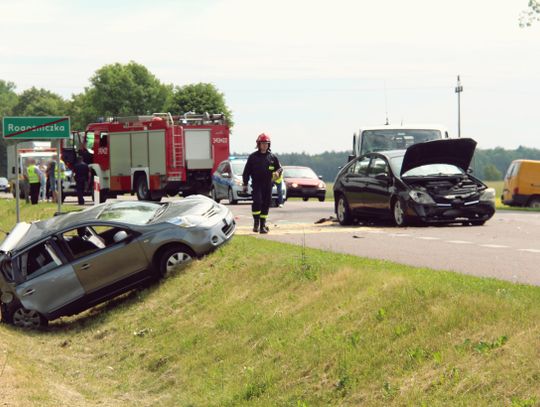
<point>200,119</point>
<point>178,148</point>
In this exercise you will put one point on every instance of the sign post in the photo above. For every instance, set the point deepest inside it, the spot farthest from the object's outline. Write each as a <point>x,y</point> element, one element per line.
<point>96,190</point>
<point>36,128</point>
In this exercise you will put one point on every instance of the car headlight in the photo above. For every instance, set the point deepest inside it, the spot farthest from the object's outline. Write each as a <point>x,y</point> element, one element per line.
<point>294,185</point>
<point>421,197</point>
<point>182,221</point>
<point>488,195</point>
<point>238,181</point>
<point>321,185</point>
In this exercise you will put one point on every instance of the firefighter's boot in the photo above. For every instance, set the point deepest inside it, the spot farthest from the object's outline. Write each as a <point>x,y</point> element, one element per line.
<point>255,225</point>
<point>264,228</point>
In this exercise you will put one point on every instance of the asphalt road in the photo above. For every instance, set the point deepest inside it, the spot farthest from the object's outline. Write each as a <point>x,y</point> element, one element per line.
<point>507,247</point>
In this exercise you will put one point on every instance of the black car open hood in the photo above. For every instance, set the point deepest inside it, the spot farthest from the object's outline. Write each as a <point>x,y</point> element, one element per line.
<point>458,152</point>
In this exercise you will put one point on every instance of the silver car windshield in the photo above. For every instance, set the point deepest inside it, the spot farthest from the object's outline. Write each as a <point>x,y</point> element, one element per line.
<point>238,167</point>
<point>136,213</point>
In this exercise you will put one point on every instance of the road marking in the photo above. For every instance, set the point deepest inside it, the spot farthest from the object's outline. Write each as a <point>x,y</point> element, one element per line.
<point>428,238</point>
<point>399,234</point>
<point>459,242</point>
<point>529,250</point>
<point>495,246</point>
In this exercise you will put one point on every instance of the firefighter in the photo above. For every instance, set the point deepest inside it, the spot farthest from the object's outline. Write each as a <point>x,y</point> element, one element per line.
<point>263,168</point>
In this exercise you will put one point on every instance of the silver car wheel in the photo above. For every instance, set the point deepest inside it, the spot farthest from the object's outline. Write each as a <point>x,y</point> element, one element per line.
<point>230,197</point>
<point>213,192</point>
<point>176,260</point>
<point>27,318</point>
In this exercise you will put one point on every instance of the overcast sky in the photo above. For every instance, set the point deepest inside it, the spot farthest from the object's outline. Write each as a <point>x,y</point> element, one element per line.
<point>307,72</point>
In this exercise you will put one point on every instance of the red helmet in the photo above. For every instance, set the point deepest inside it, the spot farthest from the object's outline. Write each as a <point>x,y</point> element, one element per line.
<point>263,138</point>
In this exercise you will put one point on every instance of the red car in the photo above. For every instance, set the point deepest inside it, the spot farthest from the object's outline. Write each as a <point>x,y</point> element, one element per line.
<point>303,183</point>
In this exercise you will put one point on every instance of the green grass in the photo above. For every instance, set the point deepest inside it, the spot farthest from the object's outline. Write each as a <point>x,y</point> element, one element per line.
<point>287,326</point>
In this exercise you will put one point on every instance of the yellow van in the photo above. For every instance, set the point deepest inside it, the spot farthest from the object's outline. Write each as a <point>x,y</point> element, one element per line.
<point>522,184</point>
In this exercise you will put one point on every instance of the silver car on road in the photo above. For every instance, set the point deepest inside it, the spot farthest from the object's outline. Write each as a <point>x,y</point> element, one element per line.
<point>71,262</point>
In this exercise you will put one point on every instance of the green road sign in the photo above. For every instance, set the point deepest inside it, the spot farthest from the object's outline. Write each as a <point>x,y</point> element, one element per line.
<point>28,128</point>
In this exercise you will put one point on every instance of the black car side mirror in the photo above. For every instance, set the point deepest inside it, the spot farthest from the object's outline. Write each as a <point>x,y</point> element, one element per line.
<point>320,177</point>
<point>350,158</point>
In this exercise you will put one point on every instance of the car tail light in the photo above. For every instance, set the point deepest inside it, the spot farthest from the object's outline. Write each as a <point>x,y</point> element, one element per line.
<point>516,190</point>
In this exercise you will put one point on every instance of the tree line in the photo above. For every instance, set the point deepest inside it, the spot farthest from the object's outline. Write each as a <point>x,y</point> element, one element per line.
<point>115,90</point>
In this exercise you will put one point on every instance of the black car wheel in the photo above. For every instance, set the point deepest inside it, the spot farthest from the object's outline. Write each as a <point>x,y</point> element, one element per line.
<point>305,198</point>
<point>175,257</point>
<point>343,211</point>
<point>230,196</point>
<point>322,198</point>
<point>213,194</point>
<point>19,316</point>
<point>398,210</point>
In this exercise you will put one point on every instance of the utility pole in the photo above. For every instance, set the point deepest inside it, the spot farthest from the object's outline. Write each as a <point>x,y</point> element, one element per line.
<point>458,90</point>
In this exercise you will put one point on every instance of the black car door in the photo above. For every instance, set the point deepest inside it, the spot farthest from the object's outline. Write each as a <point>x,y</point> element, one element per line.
<point>354,181</point>
<point>376,193</point>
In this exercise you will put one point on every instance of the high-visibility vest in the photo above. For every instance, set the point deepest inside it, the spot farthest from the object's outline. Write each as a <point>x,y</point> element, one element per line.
<point>280,179</point>
<point>62,169</point>
<point>33,175</point>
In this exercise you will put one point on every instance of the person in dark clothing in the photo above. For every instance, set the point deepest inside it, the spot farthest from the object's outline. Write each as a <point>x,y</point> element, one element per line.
<point>263,168</point>
<point>81,172</point>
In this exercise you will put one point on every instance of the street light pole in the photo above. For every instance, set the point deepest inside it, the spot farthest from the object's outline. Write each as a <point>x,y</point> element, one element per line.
<point>458,90</point>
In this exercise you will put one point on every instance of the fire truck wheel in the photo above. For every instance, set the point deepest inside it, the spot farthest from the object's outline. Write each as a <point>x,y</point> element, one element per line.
<point>141,186</point>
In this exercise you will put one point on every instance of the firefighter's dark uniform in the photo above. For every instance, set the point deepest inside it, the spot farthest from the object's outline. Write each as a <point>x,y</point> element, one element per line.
<point>259,168</point>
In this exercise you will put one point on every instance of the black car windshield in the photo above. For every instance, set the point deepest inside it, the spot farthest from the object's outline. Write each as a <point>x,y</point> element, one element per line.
<point>299,173</point>
<point>238,167</point>
<point>395,139</point>
<point>136,213</point>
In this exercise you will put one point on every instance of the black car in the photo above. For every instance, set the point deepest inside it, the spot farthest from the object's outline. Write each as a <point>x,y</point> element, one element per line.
<point>426,183</point>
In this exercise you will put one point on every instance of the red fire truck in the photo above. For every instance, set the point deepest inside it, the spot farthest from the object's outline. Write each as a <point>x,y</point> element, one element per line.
<point>153,155</point>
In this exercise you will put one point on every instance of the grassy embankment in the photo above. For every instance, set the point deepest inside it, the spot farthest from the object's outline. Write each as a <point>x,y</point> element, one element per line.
<point>285,326</point>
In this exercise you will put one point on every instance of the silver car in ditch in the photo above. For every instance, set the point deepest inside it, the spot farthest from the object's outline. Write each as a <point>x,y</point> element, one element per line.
<point>71,262</point>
